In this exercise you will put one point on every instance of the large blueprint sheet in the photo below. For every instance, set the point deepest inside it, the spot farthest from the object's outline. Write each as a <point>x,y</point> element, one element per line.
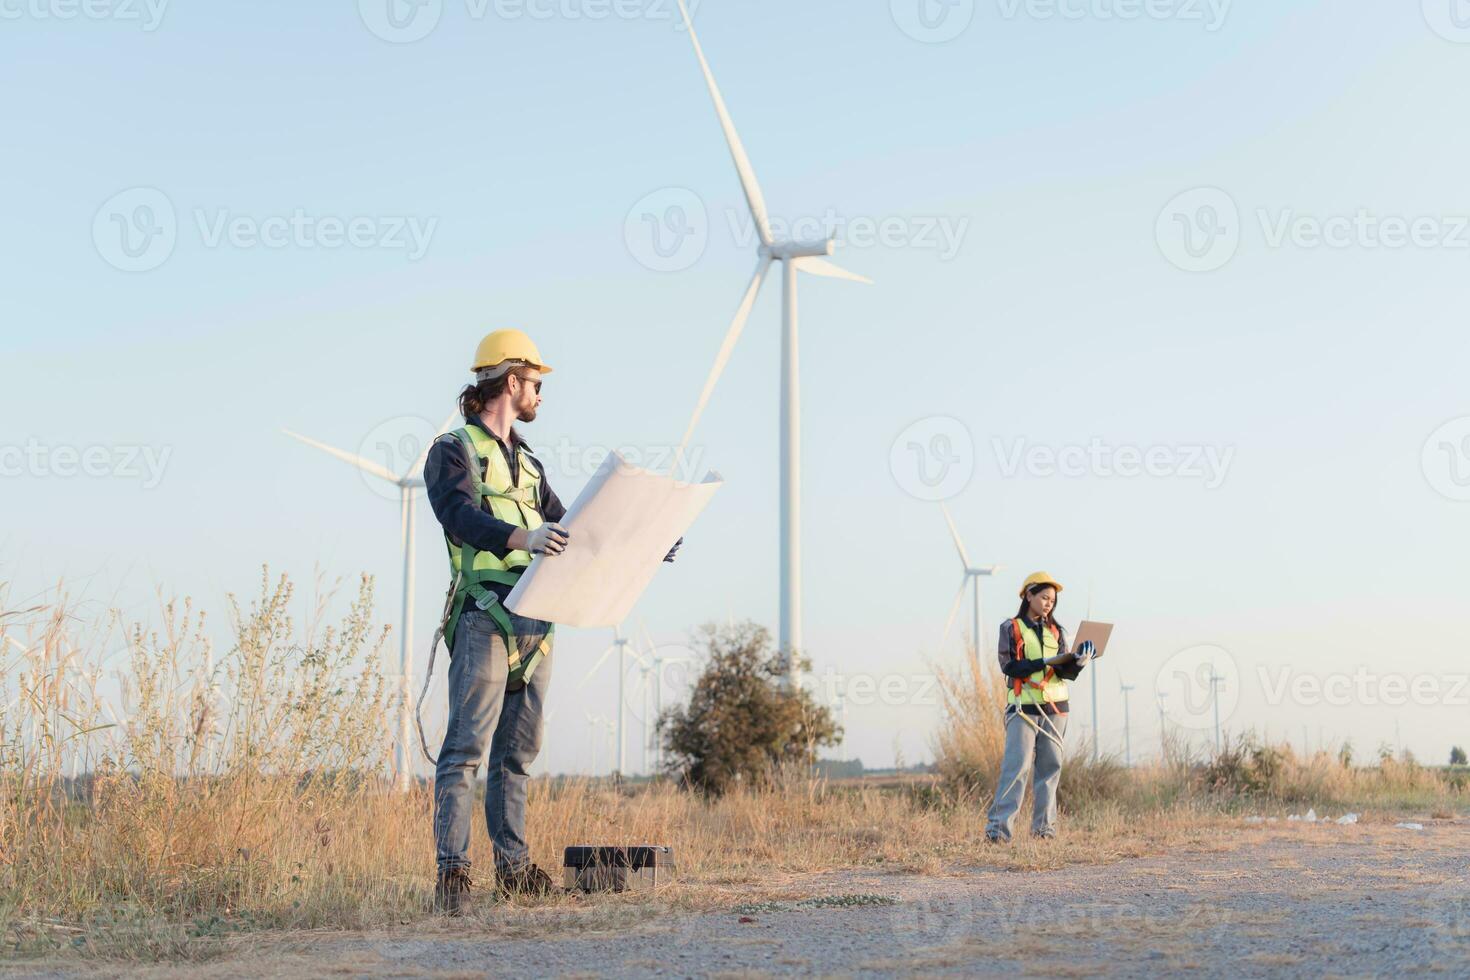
<point>622,525</point>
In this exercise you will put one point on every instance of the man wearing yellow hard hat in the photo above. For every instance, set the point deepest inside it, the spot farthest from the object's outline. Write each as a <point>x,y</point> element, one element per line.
<point>1036,708</point>
<point>497,509</point>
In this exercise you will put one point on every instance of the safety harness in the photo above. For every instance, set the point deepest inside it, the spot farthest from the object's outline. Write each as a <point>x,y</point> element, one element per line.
<point>1018,685</point>
<point>516,501</point>
<point>1018,644</point>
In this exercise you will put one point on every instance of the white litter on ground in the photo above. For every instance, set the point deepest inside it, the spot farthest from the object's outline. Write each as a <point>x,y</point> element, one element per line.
<point>1347,818</point>
<point>1409,826</point>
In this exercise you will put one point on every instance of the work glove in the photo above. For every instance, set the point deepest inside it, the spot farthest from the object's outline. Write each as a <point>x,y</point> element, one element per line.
<point>548,539</point>
<point>1084,653</point>
<point>673,551</point>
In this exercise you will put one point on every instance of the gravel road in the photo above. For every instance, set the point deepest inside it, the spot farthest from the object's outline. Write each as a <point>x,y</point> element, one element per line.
<point>1271,901</point>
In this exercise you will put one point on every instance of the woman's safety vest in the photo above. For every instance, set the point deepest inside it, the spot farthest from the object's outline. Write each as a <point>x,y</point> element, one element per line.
<point>1044,685</point>
<point>516,502</point>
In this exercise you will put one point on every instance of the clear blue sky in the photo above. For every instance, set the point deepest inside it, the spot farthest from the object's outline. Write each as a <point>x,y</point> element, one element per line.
<point>525,141</point>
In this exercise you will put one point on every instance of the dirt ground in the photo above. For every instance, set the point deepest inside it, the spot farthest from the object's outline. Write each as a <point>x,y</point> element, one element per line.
<point>1272,900</point>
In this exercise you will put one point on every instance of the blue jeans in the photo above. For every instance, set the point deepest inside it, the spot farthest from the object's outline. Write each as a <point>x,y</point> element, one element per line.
<point>483,715</point>
<point>1024,745</point>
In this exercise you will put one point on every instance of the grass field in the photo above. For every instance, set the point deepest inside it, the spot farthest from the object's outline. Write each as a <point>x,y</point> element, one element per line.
<point>247,792</point>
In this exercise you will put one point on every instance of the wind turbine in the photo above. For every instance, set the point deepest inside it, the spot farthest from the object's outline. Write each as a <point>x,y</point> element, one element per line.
<point>619,646</point>
<point>973,575</point>
<point>653,662</point>
<point>794,256</point>
<point>1127,725</point>
<point>408,484</point>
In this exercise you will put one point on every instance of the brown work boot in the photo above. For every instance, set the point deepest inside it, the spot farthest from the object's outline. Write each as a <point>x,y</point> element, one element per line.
<point>529,880</point>
<point>452,896</point>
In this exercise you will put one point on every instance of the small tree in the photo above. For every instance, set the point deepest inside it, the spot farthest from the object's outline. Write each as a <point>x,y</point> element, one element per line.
<point>1458,757</point>
<point>741,725</point>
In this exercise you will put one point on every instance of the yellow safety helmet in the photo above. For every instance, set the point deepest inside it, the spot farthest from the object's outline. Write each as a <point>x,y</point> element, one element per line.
<point>506,345</point>
<point>1039,578</point>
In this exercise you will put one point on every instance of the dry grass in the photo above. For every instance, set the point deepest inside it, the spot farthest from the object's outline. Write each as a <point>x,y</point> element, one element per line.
<point>162,812</point>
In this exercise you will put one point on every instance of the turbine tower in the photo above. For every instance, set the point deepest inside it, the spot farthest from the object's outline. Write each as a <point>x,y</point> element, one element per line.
<point>619,646</point>
<point>973,575</point>
<point>794,256</point>
<point>408,484</point>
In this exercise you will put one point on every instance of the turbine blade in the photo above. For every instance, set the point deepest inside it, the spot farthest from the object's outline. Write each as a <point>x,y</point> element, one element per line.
<point>954,532</point>
<point>726,349</point>
<point>821,267</point>
<point>954,610</point>
<point>600,661</point>
<point>416,471</point>
<point>366,465</point>
<point>753,197</point>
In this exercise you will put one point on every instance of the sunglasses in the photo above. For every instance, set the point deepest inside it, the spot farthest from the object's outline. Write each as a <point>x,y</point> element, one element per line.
<point>527,381</point>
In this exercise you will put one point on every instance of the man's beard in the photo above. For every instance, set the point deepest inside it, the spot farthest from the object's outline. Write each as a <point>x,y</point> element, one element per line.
<point>527,414</point>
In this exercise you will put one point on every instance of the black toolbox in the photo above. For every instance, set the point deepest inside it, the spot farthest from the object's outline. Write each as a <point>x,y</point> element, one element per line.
<point>617,869</point>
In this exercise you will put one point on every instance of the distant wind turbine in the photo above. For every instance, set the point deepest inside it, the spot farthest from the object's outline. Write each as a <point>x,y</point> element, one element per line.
<point>408,484</point>
<point>794,256</point>
<point>619,646</point>
<point>972,576</point>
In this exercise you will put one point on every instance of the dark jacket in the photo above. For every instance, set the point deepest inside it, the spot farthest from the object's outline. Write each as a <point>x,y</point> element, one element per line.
<point>451,489</point>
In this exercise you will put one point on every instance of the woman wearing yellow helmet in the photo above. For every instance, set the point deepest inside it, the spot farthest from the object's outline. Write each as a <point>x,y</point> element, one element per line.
<point>1037,665</point>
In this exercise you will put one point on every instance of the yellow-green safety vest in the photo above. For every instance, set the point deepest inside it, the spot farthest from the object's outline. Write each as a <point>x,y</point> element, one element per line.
<point>1044,685</point>
<point>516,502</point>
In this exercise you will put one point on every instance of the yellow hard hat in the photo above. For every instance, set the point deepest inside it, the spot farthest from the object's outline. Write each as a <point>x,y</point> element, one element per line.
<point>1039,578</point>
<point>507,345</point>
